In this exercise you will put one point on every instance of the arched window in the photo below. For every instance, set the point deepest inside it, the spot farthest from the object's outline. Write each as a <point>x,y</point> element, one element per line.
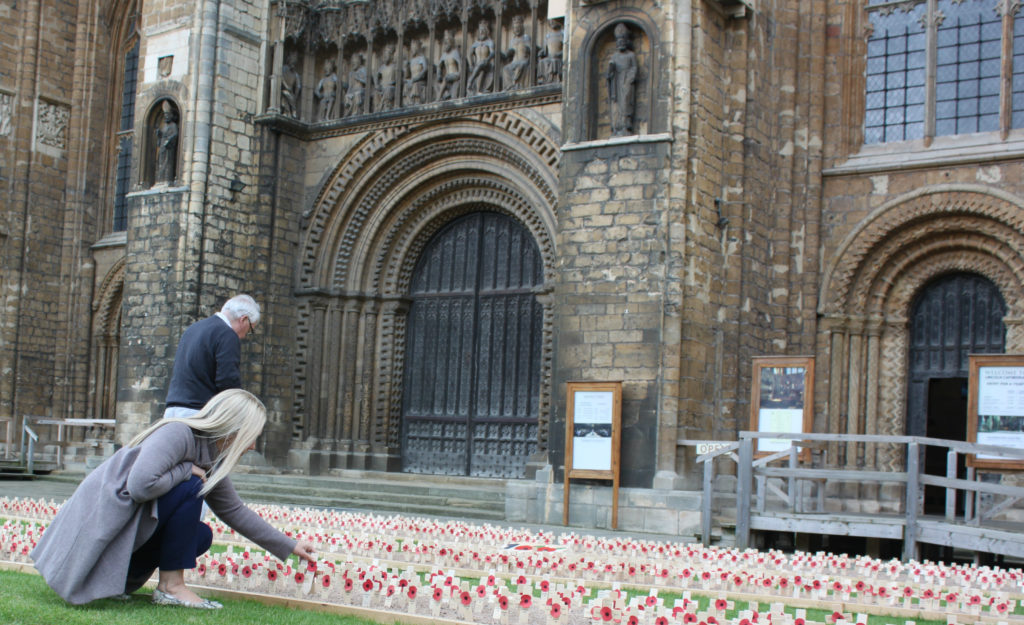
<point>125,77</point>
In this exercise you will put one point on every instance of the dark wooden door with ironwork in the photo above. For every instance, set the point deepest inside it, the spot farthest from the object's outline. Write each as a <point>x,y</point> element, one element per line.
<point>953,316</point>
<point>472,362</point>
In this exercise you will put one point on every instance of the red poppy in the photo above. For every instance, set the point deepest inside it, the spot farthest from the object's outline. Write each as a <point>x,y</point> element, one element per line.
<point>481,591</point>
<point>798,621</point>
<point>525,600</point>
<point>661,620</point>
<point>521,579</point>
<point>556,610</point>
<point>391,589</point>
<point>326,581</point>
<point>633,620</point>
<point>744,621</point>
<point>411,593</point>
<point>402,583</point>
<point>713,621</point>
<point>349,584</point>
<point>689,617</point>
<point>234,569</point>
<point>544,585</point>
<point>836,616</point>
<point>706,575</point>
<point>783,582</point>
<point>222,569</point>
<point>908,591</point>
<point>246,571</point>
<point>951,597</point>
<point>974,600</point>
<point>860,586</point>
<point>466,598</point>
<point>606,614</point>
<point>1002,607</point>
<point>272,575</point>
<point>503,602</point>
<point>299,577</point>
<point>438,594</point>
<point>311,566</point>
<point>721,604</point>
<point>201,569</point>
<point>367,585</point>
<point>651,600</point>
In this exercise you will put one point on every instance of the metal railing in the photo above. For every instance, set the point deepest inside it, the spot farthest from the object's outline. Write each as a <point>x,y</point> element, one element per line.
<point>780,497</point>
<point>28,455</point>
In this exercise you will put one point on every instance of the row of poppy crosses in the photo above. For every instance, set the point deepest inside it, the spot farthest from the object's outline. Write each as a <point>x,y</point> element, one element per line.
<point>582,560</point>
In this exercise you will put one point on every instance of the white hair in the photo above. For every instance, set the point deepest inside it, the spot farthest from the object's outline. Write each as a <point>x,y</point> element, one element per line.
<point>234,417</point>
<point>242,306</point>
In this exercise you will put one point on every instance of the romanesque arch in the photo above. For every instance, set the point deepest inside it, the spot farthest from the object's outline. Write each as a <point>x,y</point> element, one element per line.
<point>365,231</point>
<point>869,286</point>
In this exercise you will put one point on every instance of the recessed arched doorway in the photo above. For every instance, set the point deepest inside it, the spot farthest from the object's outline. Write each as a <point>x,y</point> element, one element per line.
<point>471,391</point>
<point>952,316</point>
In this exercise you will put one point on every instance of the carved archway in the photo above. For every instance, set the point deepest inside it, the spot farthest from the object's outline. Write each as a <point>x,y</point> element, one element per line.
<point>365,232</point>
<point>868,288</point>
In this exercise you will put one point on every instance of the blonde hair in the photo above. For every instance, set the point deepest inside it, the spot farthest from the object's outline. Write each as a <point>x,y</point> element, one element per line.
<point>234,416</point>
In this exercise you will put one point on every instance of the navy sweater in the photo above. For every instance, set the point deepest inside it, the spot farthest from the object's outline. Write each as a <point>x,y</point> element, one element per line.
<point>205,364</point>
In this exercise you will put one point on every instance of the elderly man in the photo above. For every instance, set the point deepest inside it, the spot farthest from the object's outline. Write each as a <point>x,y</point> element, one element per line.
<point>208,356</point>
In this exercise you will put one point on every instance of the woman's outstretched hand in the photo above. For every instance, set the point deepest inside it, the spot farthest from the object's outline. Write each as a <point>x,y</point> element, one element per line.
<point>305,550</point>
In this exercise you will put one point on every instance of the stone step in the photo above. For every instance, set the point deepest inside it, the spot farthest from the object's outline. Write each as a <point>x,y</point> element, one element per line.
<point>404,493</point>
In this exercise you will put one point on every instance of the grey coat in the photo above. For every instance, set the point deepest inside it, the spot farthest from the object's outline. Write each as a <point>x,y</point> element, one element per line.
<point>84,553</point>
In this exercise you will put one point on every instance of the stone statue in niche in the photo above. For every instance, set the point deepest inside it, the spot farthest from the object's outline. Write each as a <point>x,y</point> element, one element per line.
<point>621,78</point>
<point>549,68</point>
<point>355,91</point>
<point>519,51</point>
<point>166,145</point>
<point>327,92</point>
<point>416,74</point>
<point>291,85</point>
<point>387,80</point>
<point>449,69</point>
<point>481,55</point>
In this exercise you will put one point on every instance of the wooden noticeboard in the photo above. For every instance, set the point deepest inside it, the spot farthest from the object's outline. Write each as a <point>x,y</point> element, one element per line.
<point>782,400</point>
<point>593,424</point>
<point>995,407</point>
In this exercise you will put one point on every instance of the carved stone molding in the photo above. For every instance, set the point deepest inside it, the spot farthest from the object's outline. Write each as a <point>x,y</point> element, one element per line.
<point>872,245</point>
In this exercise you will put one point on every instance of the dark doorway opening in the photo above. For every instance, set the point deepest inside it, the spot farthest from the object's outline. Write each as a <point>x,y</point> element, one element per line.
<point>947,419</point>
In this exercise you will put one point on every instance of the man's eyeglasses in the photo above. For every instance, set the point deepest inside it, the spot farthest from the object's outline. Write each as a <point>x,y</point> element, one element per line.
<point>252,330</point>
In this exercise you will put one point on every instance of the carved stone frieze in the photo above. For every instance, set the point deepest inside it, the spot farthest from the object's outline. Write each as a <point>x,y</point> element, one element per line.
<point>6,114</point>
<point>52,124</point>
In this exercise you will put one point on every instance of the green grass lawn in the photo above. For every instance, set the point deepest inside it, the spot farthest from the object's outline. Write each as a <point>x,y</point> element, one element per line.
<point>25,599</point>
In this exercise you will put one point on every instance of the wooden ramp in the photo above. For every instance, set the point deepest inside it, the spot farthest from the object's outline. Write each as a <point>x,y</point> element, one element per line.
<point>808,496</point>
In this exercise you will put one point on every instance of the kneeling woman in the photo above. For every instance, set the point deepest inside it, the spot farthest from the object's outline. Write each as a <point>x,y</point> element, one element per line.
<point>140,510</point>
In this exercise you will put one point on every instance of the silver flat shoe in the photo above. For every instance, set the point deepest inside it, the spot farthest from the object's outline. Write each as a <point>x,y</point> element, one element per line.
<point>162,598</point>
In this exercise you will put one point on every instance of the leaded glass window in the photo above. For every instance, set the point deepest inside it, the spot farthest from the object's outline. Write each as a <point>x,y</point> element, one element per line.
<point>935,68</point>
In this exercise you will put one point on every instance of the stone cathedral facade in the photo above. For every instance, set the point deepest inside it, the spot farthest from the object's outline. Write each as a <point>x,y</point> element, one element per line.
<point>448,209</point>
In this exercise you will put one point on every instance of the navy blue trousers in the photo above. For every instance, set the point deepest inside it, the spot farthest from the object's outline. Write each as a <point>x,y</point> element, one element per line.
<point>180,536</point>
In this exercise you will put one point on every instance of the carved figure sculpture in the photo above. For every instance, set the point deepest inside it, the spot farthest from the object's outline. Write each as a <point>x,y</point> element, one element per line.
<point>326,92</point>
<point>291,85</point>
<point>481,54</point>
<point>166,145</point>
<point>519,51</point>
<point>387,80</point>
<point>355,91</point>
<point>621,77</point>
<point>550,65</point>
<point>416,74</point>
<point>449,69</point>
